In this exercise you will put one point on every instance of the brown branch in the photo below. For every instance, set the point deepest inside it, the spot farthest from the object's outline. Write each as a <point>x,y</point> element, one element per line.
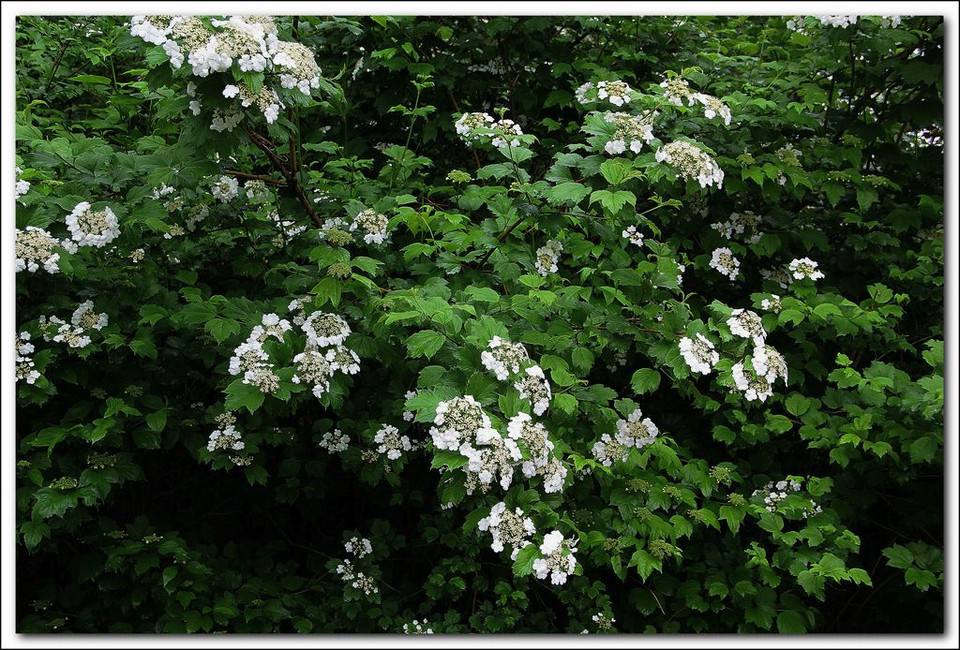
<point>254,177</point>
<point>289,172</point>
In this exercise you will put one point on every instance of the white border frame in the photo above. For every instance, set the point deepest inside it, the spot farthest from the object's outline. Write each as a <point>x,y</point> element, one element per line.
<point>7,328</point>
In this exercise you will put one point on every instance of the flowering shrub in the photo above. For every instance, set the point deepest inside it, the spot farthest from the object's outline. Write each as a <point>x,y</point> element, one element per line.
<point>433,325</point>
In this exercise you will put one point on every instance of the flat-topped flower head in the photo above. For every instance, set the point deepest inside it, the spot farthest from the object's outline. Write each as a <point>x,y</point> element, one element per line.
<point>609,450</point>
<point>343,359</point>
<point>699,353</point>
<point>371,225</point>
<point>615,92</point>
<point>390,443</point>
<point>746,324</point>
<point>752,385</point>
<point>225,189</point>
<point>335,441</point>
<point>769,363</point>
<point>691,162</point>
<point>490,457</point>
<point>535,388</point>
<point>713,107</point>
<point>89,227</point>
<point>676,90</point>
<point>535,440</point>
<point>86,318</point>
<point>503,357</point>
<point>458,420</point>
<point>25,368</point>
<point>468,124</point>
<point>632,235</point>
<point>558,559</point>
<point>723,261</point>
<point>805,267</point>
<point>548,257</point>
<point>632,132</point>
<point>324,329</point>
<point>636,431</point>
<point>35,248</point>
<point>313,368</point>
<point>507,528</point>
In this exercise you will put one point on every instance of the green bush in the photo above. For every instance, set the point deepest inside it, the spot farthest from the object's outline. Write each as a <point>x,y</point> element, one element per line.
<point>495,324</point>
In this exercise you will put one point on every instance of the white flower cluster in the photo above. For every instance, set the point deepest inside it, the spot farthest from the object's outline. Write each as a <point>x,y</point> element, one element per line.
<point>603,622</point>
<point>699,353</point>
<point>390,442</point>
<point>90,227</point>
<point>838,21</point>
<point>691,162</point>
<point>740,224</point>
<point>417,627</point>
<point>789,155</point>
<point>713,107</point>
<point>772,303</point>
<point>634,432</point>
<point>481,127</point>
<point>890,22</point>
<point>372,225</point>
<point>225,437</point>
<point>747,324</point>
<point>358,547</point>
<point>22,186</point>
<point>459,420</point>
<point>508,528</point>
<point>489,456</point>
<point>503,357</point>
<point>472,126</point>
<point>632,132</point>
<point>35,248</point>
<point>313,365</point>
<point>249,42</point>
<point>251,360</point>
<point>506,359</point>
<point>26,370</point>
<point>408,416</point>
<point>723,261</point>
<point>537,450</point>
<point>535,388</point>
<point>548,257</point>
<point>805,267</point>
<point>256,191</point>
<point>225,189</point>
<point>323,329</point>
<point>633,235</point>
<point>617,93</point>
<point>335,441</point>
<point>76,333</point>
<point>558,559</point>
<point>357,579</point>
<point>773,493</point>
<point>676,90</point>
<point>778,275</point>
<point>756,382</point>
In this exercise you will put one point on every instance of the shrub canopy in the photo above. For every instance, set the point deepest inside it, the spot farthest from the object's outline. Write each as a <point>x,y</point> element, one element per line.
<point>460,324</point>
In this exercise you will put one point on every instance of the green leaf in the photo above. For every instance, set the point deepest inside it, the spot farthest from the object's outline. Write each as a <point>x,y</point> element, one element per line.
<point>241,395</point>
<point>222,328</point>
<point>791,622</point>
<point>566,193</point>
<point>645,380</point>
<point>157,420</point>
<point>424,343</point>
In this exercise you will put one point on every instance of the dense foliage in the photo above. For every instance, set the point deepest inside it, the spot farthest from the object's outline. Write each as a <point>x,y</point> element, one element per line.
<point>480,324</point>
